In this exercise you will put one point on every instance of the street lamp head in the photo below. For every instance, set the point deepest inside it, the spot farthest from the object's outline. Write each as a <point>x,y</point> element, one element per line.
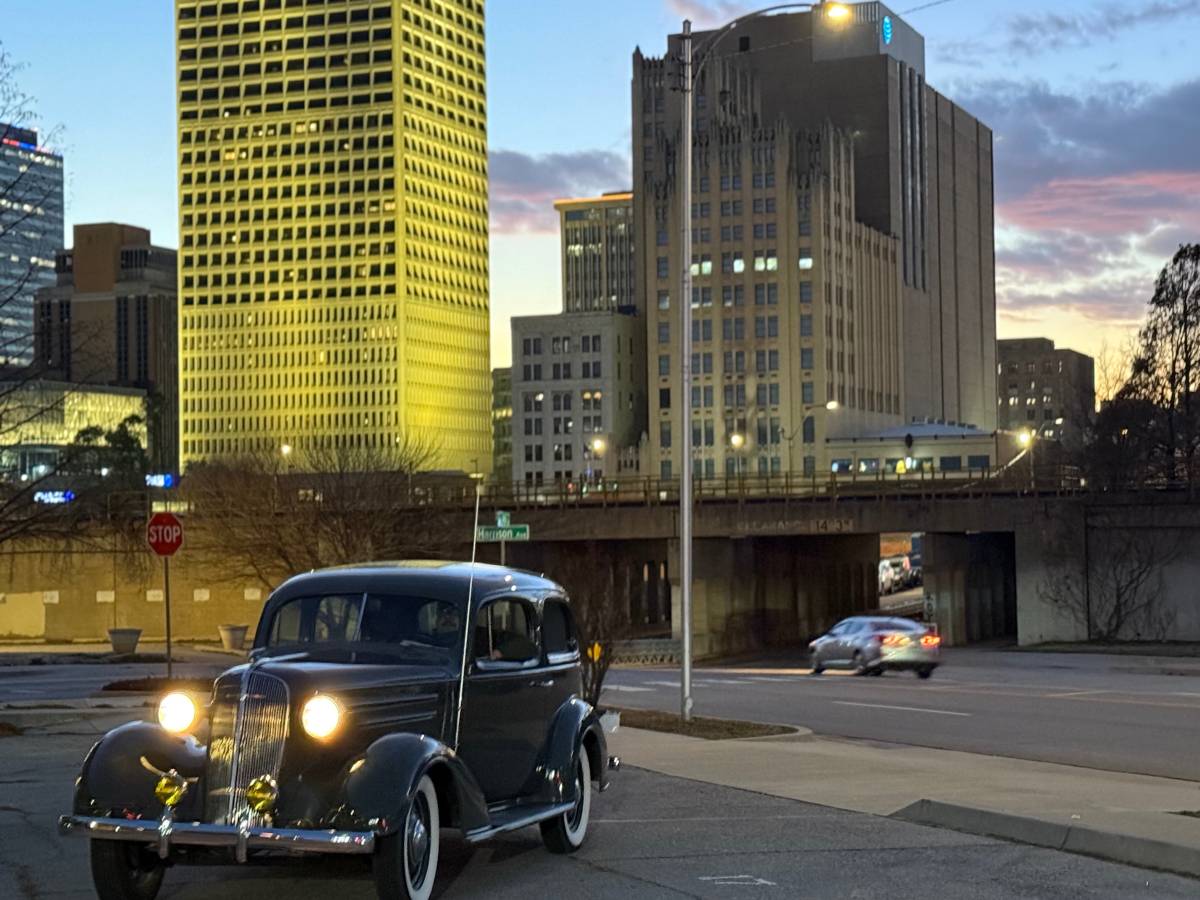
<point>836,10</point>
<point>737,441</point>
<point>286,450</point>
<point>1025,438</point>
<point>832,406</point>
<point>599,445</point>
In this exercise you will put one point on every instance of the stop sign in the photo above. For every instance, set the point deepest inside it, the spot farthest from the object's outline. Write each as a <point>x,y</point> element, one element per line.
<point>164,534</point>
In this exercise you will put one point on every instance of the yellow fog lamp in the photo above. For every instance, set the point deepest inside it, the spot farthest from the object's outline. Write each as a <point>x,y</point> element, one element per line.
<point>176,712</point>
<point>170,789</point>
<point>262,793</point>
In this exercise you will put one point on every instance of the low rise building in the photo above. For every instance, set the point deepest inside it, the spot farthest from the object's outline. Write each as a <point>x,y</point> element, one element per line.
<point>1047,391</point>
<point>40,419</point>
<point>578,395</point>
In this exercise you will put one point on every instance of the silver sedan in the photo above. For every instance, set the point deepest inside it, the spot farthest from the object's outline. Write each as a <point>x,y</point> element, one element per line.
<point>870,645</point>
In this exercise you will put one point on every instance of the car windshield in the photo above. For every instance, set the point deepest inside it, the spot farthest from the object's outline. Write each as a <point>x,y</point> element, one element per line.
<point>377,624</point>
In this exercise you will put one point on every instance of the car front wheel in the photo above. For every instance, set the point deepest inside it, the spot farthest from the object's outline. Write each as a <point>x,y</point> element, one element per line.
<point>565,833</point>
<point>125,871</point>
<point>406,862</point>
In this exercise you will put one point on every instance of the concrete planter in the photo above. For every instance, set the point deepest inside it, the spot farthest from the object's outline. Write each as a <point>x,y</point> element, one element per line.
<point>124,640</point>
<point>233,636</point>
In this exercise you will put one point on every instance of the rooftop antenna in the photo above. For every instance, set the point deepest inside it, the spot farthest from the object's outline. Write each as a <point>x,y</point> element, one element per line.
<point>467,629</point>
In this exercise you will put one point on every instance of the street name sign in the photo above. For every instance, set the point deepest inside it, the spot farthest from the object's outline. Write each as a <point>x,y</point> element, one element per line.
<point>492,534</point>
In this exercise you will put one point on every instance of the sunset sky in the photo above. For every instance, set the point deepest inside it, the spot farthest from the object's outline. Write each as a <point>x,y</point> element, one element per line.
<point>1094,106</point>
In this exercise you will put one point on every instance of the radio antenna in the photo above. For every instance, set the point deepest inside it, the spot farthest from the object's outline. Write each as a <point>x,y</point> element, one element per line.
<point>468,631</point>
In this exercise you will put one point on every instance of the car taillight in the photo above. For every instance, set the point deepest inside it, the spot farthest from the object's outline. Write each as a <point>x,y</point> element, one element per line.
<point>931,640</point>
<point>893,640</point>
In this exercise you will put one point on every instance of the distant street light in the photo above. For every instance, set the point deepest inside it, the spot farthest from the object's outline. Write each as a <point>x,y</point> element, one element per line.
<point>737,441</point>
<point>286,450</point>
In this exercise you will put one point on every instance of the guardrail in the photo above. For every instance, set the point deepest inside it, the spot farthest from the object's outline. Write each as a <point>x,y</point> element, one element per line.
<point>751,488</point>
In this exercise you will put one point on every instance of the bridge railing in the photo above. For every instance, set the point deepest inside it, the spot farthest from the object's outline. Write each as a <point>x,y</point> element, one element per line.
<point>1056,480</point>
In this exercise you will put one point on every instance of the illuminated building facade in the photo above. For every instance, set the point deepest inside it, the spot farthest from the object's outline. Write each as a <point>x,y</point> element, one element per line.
<point>31,232</point>
<point>333,226</point>
<point>843,244</point>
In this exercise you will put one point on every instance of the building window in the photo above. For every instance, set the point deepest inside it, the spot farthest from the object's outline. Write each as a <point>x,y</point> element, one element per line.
<point>664,365</point>
<point>806,325</point>
<point>950,463</point>
<point>664,435</point>
<point>807,393</point>
<point>806,358</point>
<point>664,332</point>
<point>664,398</point>
<point>664,300</point>
<point>806,292</point>
<point>664,270</point>
<point>979,462</point>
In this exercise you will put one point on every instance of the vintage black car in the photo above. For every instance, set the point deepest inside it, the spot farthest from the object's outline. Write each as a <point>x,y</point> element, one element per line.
<point>367,719</point>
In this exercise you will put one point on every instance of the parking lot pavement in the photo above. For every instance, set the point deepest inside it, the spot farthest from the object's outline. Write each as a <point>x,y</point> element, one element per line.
<point>652,836</point>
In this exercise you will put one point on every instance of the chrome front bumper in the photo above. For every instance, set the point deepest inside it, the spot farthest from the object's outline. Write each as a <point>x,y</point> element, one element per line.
<point>165,833</point>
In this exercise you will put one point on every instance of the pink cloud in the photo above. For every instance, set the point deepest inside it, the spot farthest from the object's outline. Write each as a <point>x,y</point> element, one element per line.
<point>1110,205</point>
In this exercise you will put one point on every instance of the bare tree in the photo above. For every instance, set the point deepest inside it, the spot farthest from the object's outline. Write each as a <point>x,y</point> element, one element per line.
<point>601,592</point>
<point>1110,580</point>
<point>1166,370</point>
<point>267,517</point>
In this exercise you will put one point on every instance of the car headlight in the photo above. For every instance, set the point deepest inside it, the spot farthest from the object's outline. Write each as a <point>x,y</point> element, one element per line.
<point>321,716</point>
<point>176,712</point>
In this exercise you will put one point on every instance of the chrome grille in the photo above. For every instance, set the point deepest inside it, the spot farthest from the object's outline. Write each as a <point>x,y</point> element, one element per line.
<point>249,727</point>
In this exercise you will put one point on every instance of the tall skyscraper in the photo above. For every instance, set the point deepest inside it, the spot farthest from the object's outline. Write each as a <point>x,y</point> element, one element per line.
<point>31,232</point>
<point>834,185</point>
<point>112,319</point>
<point>333,227</point>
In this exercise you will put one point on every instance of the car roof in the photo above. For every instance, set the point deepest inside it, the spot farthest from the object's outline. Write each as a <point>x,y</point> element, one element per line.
<point>436,579</point>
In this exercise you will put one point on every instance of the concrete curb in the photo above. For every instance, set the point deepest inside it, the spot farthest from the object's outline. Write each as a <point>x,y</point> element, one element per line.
<point>1145,853</point>
<point>798,733</point>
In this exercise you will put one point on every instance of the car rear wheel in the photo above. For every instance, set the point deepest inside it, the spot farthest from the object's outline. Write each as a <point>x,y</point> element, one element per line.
<point>925,672</point>
<point>406,862</point>
<point>566,833</point>
<point>858,663</point>
<point>125,871</point>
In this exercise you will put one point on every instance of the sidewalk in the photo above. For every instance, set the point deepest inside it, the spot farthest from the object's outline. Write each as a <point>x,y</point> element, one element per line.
<point>1126,818</point>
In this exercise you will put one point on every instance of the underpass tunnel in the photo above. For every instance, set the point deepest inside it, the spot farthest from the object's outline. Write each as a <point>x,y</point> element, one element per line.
<point>970,586</point>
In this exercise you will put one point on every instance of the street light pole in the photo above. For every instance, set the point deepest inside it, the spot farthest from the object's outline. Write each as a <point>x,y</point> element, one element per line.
<point>685,401</point>
<point>687,88</point>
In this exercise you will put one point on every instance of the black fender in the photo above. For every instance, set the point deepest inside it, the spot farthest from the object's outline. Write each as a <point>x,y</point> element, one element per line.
<point>380,784</point>
<point>575,724</point>
<point>120,772</point>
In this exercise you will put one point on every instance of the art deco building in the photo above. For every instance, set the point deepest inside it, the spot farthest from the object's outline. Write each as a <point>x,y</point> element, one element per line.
<point>333,226</point>
<point>843,243</point>
<point>1045,390</point>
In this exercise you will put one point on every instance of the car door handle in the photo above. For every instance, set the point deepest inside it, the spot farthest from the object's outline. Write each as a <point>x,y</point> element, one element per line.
<point>542,683</point>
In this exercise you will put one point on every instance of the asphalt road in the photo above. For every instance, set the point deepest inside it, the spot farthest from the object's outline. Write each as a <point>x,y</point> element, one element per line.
<point>1077,709</point>
<point>24,683</point>
<point>651,837</point>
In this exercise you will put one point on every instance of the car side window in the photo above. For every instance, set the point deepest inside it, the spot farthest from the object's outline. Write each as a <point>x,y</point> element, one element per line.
<point>840,628</point>
<point>558,632</point>
<point>504,633</point>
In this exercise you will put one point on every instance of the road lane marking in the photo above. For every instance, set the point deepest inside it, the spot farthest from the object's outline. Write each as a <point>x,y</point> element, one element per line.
<point>916,709</point>
<point>1070,694</point>
<point>628,688</point>
<point>737,880</point>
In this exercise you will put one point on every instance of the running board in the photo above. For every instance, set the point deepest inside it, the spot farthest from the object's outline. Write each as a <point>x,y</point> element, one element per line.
<point>516,818</point>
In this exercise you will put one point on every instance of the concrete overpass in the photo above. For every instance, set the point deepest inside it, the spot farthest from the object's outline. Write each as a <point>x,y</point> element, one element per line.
<point>1034,566</point>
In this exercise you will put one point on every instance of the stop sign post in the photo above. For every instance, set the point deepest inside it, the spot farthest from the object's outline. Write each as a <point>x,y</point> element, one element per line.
<point>164,534</point>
